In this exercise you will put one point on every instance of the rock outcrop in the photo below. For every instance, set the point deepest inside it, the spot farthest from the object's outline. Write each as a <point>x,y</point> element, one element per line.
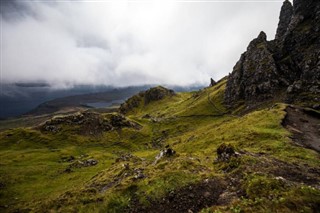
<point>255,76</point>
<point>88,123</point>
<point>225,152</point>
<point>287,68</point>
<point>144,98</point>
<point>157,93</point>
<point>212,82</point>
<point>167,152</point>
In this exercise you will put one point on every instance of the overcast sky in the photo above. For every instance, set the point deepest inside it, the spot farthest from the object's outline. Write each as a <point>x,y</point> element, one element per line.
<point>128,42</point>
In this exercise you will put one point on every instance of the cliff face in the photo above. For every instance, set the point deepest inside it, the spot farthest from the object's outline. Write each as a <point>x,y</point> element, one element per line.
<point>288,65</point>
<point>253,75</point>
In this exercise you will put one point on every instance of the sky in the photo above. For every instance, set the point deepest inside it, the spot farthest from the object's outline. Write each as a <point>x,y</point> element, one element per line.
<point>121,43</point>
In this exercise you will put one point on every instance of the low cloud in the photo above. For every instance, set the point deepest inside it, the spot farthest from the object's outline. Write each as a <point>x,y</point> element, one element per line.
<point>122,43</point>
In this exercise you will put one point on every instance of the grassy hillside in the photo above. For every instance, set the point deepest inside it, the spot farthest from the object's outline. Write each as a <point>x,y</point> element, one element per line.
<point>45,171</point>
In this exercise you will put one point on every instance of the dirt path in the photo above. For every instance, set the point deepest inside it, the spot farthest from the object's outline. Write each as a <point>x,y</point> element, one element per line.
<point>304,125</point>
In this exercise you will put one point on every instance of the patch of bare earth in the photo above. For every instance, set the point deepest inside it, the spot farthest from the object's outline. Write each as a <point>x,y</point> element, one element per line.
<point>304,125</point>
<point>191,198</point>
<point>296,173</point>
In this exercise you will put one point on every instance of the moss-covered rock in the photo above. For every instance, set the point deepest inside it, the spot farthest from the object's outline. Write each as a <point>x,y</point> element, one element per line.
<point>144,98</point>
<point>157,93</point>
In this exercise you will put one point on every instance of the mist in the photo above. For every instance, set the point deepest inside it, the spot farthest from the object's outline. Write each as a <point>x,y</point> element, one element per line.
<point>123,43</point>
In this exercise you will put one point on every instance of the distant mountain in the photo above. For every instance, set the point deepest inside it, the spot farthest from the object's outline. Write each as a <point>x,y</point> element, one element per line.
<point>38,98</point>
<point>19,98</point>
<point>86,100</point>
<point>95,100</point>
<point>38,84</point>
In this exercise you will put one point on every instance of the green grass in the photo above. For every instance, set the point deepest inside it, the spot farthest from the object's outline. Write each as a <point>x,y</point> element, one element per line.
<point>267,194</point>
<point>194,124</point>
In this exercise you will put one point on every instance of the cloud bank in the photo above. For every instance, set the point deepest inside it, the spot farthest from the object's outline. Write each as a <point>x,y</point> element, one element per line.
<point>122,43</point>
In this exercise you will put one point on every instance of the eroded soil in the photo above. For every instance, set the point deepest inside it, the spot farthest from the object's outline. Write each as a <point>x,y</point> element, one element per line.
<point>191,198</point>
<point>304,125</point>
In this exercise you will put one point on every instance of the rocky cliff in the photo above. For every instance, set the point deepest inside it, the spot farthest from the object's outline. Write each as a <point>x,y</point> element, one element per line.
<point>286,68</point>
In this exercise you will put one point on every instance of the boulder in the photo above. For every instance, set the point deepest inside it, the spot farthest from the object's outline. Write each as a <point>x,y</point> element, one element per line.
<point>83,163</point>
<point>138,173</point>
<point>68,159</point>
<point>166,152</point>
<point>90,162</point>
<point>225,152</point>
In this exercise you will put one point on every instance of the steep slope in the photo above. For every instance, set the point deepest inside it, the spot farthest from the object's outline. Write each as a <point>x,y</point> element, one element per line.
<point>285,69</point>
<point>205,102</point>
<point>145,98</point>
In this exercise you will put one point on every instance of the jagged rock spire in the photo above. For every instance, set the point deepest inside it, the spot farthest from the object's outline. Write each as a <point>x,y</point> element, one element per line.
<point>255,76</point>
<point>262,37</point>
<point>212,82</point>
<point>284,19</point>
